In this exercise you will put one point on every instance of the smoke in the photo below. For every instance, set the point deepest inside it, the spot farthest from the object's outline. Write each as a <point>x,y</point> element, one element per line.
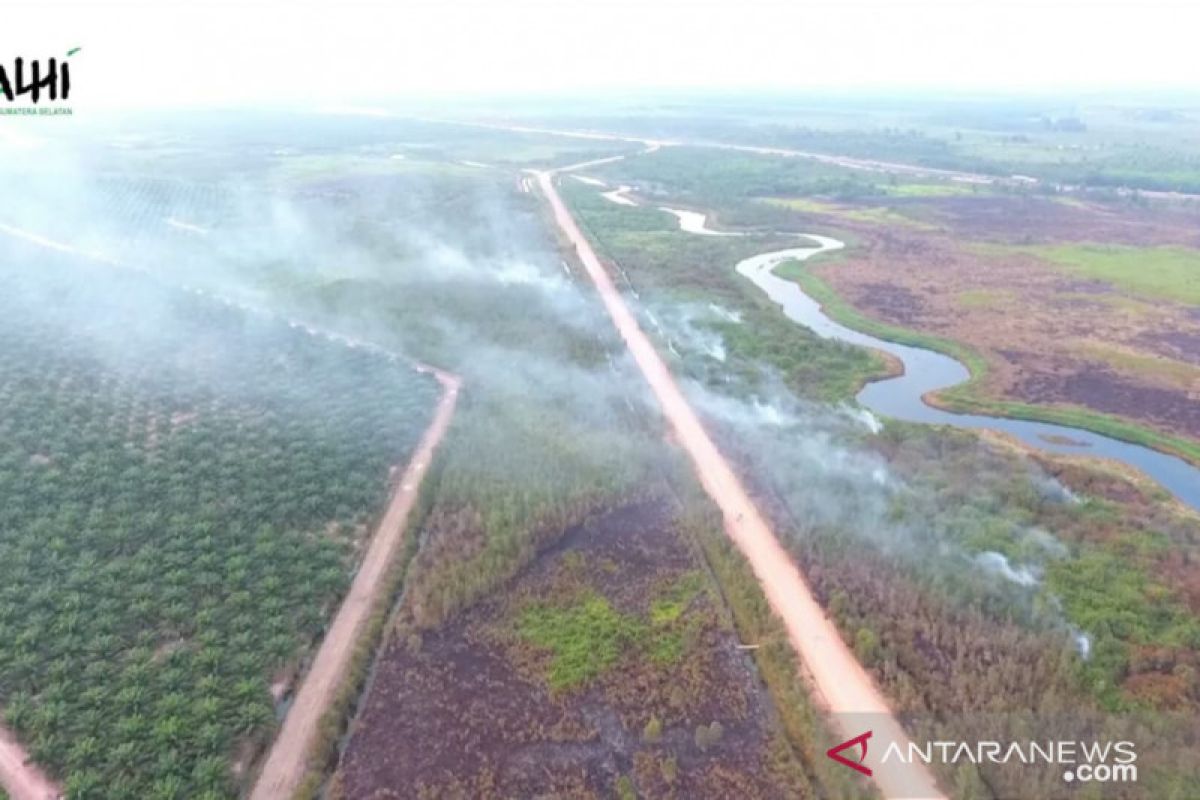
<point>448,264</point>
<point>826,466</point>
<point>455,267</point>
<point>814,456</point>
<point>998,564</point>
<point>690,328</point>
<point>1053,489</point>
<point>864,415</point>
<point>1083,644</point>
<point>725,313</point>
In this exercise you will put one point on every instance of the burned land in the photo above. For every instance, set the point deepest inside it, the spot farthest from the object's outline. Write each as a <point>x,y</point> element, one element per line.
<point>1021,281</point>
<point>606,667</point>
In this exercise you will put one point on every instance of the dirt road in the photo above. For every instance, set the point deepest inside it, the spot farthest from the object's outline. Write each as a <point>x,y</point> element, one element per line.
<point>287,761</point>
<point>21,778</point>
<point>845,688</point>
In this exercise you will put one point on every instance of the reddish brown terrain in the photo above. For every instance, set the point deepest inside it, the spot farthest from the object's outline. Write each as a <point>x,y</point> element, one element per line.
<point>478,709</point>
<point>22,779</point>
<point>1049,337</point>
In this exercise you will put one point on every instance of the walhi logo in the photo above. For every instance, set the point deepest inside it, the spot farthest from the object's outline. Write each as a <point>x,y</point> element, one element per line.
<point>26,83</point>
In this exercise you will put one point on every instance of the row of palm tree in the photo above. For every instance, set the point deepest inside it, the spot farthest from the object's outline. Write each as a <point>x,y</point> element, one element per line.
<point>180,505</point>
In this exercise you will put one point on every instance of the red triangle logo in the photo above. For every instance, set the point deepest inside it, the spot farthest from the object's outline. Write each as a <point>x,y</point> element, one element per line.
<point>835,753</point>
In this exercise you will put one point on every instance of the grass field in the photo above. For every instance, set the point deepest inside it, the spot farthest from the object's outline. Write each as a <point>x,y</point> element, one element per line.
<point>934,189</point>
<point>879,215</point>
<point>1153,273</point>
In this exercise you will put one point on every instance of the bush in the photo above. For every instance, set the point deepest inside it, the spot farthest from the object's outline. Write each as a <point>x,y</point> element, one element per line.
<point>709,735</point>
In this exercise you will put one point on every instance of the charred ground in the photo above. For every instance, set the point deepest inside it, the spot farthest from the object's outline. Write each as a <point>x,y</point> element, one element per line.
<point>607,667</point>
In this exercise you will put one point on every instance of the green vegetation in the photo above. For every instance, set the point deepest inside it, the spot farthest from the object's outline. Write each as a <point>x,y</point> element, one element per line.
<point>674,267</point>
<point>183,488</point>
<point>929,627</point>
<point>935,189</point>
<point>586,638</point>
<point>1154,273</point>
<point>1181,372</point>
<point>671,603</point>
<point>704,175</point>
<point>1107,592</point>
<point>878,215</point>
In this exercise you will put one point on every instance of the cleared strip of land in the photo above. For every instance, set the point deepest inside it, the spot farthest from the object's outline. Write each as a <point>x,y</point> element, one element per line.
<point>287,762</point>
<point>845,688</point>
<point>19,776</point>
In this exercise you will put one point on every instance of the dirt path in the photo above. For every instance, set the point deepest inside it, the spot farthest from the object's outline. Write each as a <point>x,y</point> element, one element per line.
<point>287,761</point>
<point>20,777</point>
<point>845,688</point>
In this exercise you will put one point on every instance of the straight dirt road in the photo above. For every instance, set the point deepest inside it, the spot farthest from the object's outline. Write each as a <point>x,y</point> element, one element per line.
<point>287,762</point>
<point>845,688</point>
<point>21,778</point>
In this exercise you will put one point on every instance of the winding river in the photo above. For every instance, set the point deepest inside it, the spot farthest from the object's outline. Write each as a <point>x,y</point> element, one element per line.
<point>927,371</point>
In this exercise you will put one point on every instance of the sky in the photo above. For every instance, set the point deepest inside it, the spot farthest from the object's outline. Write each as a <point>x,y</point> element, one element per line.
<point>194,54</point>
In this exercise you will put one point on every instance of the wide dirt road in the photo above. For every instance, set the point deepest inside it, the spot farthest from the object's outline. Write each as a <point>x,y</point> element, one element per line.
<point>845,688</point>
<point>21,778</point>
<point>287,762</point>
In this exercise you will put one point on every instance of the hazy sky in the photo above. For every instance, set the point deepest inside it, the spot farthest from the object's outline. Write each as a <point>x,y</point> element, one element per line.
<point>202,53</point>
